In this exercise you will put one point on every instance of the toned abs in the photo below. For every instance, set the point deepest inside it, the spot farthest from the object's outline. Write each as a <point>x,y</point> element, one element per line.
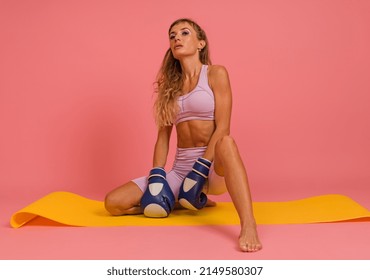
<point>194,133</point>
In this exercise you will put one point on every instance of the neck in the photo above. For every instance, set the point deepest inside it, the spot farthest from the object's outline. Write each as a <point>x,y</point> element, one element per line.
<point>190,67</point>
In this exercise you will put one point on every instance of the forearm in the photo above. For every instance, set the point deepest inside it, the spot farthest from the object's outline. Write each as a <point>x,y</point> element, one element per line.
<point>160,154</point>
<point>218,134</point>
<point>161,147</point>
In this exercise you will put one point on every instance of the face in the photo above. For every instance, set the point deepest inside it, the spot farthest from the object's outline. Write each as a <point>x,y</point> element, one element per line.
<point>184,41</point>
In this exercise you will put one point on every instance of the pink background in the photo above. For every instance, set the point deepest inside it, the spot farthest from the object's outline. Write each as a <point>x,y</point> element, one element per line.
<point>76,93</point>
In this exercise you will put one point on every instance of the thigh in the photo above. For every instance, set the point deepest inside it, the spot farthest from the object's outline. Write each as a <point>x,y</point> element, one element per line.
<point>127,195</point>
<point>216,183</point>
<point>173,178</point>
<point>175,181</point>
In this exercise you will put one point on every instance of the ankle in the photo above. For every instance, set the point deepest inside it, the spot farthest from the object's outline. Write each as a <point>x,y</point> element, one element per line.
<point>250,223</point>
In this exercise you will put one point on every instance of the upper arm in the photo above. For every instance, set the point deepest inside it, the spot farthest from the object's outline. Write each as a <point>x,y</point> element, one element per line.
<point>220,85</point>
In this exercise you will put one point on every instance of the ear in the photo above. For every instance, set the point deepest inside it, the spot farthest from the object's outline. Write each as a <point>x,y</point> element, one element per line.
<point>202,44</point>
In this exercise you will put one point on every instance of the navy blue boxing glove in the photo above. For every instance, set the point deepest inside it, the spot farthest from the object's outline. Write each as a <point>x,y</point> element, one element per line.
<point>191,195</point>
<point>158,200</point>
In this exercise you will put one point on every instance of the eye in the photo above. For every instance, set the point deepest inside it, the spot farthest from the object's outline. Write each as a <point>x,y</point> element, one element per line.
<point>172,36</point>
<point>185,32</point>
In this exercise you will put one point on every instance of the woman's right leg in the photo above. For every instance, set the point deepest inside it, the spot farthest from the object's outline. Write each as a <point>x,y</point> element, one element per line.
<point>124,200</point>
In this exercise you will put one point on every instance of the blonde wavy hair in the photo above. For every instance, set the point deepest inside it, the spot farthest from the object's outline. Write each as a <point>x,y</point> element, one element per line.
<point>169,81</point>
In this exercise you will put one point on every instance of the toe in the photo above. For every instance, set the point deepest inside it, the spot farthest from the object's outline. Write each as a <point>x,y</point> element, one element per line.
<point>210,203</point>
<point>244,247</point>
<point>250,247</point>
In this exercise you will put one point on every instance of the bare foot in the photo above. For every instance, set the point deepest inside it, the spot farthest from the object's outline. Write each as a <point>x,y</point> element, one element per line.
<point>248,239</point>
<point>136,210</point>
<point>210,203</point>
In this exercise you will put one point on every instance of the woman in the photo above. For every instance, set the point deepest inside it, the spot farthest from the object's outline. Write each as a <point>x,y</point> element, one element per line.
<point>194,96</point>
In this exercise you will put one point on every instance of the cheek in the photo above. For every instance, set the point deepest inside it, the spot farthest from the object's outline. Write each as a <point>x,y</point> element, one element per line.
<point>191,42</point>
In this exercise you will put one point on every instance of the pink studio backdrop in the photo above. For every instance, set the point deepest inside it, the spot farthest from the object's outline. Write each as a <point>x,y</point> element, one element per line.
<point>76,92</point>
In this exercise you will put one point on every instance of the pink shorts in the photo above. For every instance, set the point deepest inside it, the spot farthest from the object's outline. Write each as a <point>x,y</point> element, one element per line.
<point>184,160</point>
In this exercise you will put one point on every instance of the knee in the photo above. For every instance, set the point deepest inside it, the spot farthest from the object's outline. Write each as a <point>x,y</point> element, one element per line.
<point>226,144</point>
<point>113,204</point>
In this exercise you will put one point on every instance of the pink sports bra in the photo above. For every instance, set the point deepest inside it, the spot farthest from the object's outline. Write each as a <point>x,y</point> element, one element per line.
<point>199,104</point>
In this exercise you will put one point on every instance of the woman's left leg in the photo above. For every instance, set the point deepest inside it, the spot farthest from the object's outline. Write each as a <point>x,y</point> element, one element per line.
<point>228,163</point>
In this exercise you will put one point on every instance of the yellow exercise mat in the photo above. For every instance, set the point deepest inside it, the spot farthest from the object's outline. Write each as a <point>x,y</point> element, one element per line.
<point>64,208</point>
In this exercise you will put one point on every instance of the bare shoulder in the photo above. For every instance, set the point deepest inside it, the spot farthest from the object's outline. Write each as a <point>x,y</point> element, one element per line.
<point>217,76</point>
<point>217,71</point>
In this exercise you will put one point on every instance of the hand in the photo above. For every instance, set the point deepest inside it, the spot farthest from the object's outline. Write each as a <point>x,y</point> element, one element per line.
<point>158,200</point>
<point>191,195</point>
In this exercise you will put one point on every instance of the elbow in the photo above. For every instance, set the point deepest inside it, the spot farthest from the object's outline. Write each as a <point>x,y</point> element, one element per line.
<point>223,131</point>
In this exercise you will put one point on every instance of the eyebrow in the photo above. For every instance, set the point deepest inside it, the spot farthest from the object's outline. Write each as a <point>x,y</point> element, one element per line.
<point>180,30</point>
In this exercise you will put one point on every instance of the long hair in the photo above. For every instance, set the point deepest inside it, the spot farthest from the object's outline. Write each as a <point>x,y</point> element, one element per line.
<point>169,81</point>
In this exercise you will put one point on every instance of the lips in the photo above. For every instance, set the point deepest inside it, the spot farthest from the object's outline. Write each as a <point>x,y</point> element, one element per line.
<point>177,47</point>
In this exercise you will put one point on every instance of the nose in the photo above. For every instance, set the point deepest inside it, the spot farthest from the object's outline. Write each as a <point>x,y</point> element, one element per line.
<point>177,37</point>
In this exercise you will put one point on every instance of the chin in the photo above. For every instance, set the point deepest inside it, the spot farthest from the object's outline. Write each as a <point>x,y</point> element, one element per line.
<point>179,54</point>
